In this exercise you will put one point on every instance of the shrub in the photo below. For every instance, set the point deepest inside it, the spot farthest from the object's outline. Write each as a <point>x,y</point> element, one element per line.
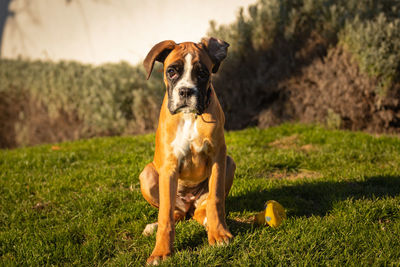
<point>69,100</point>
<point>274,47</point>
<point>269,20</point>
<point>375,45</point>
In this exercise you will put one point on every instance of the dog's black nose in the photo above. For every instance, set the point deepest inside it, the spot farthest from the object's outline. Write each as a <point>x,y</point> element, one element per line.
<point>185,92</point>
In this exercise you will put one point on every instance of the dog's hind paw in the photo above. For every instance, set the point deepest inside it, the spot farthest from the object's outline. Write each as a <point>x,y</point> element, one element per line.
<point>150,229</point>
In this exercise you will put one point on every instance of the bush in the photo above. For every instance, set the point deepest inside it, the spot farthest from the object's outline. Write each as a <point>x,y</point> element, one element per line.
<point>45,101</point>
<point>269,20</point>
<point>282,44</point>
<point>375,45</point>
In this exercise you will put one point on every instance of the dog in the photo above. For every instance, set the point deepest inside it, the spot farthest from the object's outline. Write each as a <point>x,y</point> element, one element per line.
<point>191,173</point>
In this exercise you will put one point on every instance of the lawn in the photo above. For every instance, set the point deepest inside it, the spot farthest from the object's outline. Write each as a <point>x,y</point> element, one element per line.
<point>79,203</point>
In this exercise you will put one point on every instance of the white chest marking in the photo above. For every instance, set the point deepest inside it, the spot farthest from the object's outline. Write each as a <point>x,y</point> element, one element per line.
<point>185,135</point>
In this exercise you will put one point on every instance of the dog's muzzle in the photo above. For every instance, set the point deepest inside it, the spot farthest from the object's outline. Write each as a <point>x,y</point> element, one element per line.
<point>189,100</point>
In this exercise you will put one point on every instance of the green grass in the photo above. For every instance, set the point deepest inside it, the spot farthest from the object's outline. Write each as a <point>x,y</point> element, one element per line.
<point>82,204</point>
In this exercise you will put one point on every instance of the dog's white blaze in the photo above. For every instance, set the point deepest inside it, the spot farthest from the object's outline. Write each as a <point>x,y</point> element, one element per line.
<point>186,80</point>
<point>185,134</point>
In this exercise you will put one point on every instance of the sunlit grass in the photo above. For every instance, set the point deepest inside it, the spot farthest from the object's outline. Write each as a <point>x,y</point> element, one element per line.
<point>80,203</point>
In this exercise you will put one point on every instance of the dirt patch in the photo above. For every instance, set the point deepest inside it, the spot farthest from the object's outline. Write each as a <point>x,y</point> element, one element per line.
<point>286,142</point>
<point>292,142</point>
<point>247,220</point>
<point>40,206</point>
<point>301,174</point>
<point>308,148</point>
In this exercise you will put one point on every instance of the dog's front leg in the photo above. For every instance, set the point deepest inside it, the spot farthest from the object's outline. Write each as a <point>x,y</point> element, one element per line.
<point>217,229</point>
<point>166,225</point>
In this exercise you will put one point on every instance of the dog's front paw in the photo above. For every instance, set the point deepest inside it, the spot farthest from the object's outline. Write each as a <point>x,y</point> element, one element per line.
<point>156,258</point>
<point>219,236</point>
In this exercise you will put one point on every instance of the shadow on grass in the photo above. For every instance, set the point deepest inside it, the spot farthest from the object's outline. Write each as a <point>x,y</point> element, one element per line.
<point>316,197</point>
<point>310,198</point>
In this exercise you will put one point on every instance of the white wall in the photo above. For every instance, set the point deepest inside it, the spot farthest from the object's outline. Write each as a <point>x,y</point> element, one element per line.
<point>98,31</point>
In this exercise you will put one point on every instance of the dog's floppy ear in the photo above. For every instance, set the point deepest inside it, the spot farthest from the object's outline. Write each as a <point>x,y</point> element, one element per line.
<point>159,52</point>
<point>217,50</point>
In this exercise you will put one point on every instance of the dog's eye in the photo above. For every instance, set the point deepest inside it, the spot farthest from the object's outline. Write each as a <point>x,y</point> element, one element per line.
<point>172,73</point>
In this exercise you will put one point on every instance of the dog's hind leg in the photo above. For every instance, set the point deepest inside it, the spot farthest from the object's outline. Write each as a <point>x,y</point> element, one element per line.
<point>230,173</point>
<point>149,183</point>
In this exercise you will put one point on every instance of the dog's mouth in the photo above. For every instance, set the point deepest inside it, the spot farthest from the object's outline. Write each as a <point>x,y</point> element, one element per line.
<point>186,109</point>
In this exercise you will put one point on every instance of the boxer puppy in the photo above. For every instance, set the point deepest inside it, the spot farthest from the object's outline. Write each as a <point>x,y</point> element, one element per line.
<point>191,173</point>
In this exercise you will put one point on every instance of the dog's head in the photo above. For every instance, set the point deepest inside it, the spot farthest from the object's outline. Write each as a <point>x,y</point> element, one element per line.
<point>187,71</point>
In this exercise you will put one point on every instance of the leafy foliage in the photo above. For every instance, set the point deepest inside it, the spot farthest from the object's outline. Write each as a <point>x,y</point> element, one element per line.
<point>278,45</point>
<point>269,20</point>
<point>376,46</point>
<point>109,99</point>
